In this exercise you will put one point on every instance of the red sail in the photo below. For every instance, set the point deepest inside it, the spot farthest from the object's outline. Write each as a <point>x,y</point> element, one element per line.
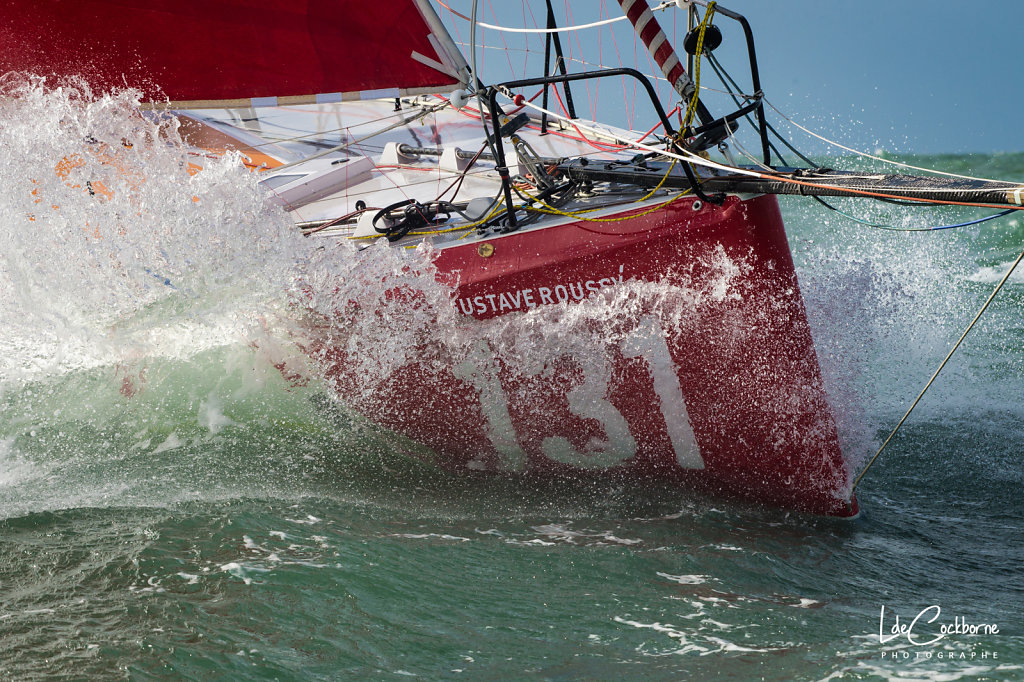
<point>193,52</point>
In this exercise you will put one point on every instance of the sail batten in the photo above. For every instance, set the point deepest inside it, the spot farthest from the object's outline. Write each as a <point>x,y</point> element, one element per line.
<point>233,52</point>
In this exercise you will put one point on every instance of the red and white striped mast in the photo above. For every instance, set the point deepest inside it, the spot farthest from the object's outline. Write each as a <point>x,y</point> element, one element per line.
<point>647,27</point>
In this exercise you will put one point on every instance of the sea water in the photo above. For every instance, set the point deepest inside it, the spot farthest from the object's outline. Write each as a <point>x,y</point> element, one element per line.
<point>180,496</point>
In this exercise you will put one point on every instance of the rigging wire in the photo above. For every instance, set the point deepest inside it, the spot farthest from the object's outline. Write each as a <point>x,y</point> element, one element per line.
<point>582,62</point>
<point>730,83</point>
<point>692,158</point>
<point>893,228</point>
<point>580,216</point>
<point>477,83</point>
<point>701,161</point>
<point>404,121</point>
<point>872,156</point>
<point>984,307</point>
<point>565,29</point>
<point>577,215</point>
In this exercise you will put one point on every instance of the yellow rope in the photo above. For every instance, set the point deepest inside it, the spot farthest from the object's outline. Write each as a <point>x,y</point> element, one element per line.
<point>469,226</point>
<point>660,183</point>
<point>705,22</point>
<point>551,210</point>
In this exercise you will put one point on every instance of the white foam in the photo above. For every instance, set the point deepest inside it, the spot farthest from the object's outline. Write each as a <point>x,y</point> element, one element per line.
<point>212,417</point>
<point>172,442</point>
<point>427,536</point>
<point>13,469</point>
<point>993,274</point>
<point>686,579</point>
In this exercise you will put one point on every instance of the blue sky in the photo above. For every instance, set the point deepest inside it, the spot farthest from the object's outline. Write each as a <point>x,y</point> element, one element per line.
<point>918,75</point>
<point>907,76</point>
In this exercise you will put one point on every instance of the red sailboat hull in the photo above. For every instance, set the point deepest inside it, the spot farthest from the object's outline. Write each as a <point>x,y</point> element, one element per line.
<point>699,366</point>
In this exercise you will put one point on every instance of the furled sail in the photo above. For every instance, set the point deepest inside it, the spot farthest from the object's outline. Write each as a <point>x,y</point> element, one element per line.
<point>195,53</point>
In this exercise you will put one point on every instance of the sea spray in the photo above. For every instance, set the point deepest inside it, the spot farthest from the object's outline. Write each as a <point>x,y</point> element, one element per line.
<point>886,306</point>
<point>115,243</point>
<point>149,537</point>
<point>144,266</point>
<point>133,288</point>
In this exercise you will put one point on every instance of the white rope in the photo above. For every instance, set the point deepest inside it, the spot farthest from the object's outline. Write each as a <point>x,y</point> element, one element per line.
<point>509,29</point>
<point>566,29</point>
<point>746,154</point>
<point>872,156</point>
